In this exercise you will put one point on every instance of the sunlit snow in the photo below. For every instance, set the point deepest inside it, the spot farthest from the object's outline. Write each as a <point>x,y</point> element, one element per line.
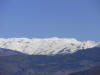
<point>46,46</point>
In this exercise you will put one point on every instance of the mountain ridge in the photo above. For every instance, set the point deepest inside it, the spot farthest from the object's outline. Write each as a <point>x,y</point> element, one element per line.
<point>46,46</point>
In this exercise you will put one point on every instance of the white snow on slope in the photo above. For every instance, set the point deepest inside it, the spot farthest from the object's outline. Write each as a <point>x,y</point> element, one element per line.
<point>46,46</point>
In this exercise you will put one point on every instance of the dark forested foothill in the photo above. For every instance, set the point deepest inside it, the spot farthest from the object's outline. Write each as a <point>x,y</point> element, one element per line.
<point>78,63</point>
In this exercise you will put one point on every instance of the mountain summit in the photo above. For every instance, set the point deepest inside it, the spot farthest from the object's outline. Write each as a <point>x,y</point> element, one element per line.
<point>46,46</point>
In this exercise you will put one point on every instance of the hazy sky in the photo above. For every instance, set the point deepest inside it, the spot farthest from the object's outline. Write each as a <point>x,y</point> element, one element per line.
<point>49,18</point>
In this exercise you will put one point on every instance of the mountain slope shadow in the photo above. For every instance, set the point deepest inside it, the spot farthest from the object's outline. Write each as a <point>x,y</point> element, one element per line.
<point>7,52</point>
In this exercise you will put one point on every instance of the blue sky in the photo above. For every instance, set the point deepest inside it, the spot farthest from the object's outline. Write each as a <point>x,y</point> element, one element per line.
<point>49,18</point>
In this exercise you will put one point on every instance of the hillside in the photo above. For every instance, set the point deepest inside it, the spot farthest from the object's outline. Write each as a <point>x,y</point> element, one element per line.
<point>49,65</point>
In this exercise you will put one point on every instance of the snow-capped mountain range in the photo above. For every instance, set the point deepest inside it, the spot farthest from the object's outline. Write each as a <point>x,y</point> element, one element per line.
<point>46,46</point>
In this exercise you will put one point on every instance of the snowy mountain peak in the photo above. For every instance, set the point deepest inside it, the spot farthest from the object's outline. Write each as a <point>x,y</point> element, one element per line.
<point>46,46</point>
